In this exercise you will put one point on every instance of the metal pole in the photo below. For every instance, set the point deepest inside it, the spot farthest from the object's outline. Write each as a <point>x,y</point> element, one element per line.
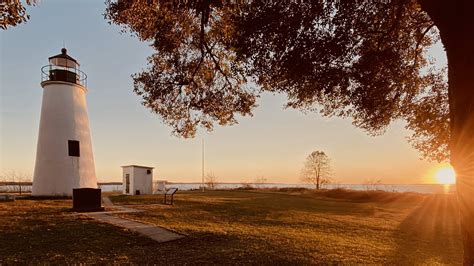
<point>202,172</point>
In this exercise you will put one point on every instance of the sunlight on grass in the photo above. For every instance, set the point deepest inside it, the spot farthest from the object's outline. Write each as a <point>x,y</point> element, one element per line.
<point>308,227</point>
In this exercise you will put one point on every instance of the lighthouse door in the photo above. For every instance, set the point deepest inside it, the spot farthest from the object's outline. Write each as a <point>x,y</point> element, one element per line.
<point>127,183</point>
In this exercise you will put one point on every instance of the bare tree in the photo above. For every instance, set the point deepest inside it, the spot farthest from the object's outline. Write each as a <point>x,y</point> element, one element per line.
<point>3,184</point>
<point>17,179</point>
<point>372,184</point>
<point>211,180</point>
<point>261,180</point>
<point>317,169</point>
<point>336,183</point>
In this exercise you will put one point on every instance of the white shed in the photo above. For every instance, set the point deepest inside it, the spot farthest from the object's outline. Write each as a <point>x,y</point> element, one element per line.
<point>137,180</point>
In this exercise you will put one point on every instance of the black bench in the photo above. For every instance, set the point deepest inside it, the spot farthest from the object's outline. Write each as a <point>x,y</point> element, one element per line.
<point>169,192</point>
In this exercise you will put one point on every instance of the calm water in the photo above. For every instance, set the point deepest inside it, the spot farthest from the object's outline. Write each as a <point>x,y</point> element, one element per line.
<point>420,188</point>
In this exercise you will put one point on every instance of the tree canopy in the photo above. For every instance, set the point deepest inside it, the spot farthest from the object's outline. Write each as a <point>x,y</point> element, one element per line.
<point>213,59</point>
<point>13,12</point>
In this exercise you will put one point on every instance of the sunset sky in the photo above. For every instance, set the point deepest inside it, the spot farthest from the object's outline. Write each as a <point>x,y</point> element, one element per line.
<point>273,143</point>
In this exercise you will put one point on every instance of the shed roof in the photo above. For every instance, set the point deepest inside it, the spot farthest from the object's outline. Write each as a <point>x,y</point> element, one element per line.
<point>139,166</point>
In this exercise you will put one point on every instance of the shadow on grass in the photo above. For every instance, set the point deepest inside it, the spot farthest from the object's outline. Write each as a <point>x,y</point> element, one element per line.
<point>42,198</point>
<point>252,204</point>
<point>430,233</point>
<point>36,234</point>
<point>35,231</point>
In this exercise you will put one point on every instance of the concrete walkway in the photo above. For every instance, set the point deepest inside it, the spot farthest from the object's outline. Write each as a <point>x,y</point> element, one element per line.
<point>107,202</point>
<point>156,233</point>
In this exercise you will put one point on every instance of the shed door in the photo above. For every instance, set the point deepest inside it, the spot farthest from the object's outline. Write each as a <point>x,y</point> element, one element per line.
<point>127,183</point>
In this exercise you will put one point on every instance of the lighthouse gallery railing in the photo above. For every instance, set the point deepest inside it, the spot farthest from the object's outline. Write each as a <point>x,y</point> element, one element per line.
<point>60,73</point>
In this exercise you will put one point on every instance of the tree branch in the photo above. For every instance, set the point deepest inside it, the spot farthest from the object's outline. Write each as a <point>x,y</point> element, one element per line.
<point>415,62</point>
<point>216,63</point>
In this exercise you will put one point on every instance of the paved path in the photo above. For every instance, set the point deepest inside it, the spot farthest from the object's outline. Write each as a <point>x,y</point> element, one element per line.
<point>107,202</point>
<point>116,208</point>
<point>156,233</point>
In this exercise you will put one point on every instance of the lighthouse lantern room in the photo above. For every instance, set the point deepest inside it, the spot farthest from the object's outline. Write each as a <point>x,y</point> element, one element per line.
<point>64,158</point>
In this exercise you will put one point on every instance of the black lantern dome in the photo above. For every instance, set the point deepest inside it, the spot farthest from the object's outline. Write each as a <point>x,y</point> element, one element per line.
<point>63,59</point>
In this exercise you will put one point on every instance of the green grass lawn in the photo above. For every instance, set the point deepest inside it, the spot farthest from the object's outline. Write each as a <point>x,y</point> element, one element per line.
<point>235,227</point>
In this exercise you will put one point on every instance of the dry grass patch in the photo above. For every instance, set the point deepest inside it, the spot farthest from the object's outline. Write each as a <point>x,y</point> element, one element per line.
<point>308,227</point>
<point>242,227</point>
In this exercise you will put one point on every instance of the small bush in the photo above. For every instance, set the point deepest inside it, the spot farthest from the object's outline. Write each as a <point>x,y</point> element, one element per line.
<point>293,189</point>
<point>368,196</point>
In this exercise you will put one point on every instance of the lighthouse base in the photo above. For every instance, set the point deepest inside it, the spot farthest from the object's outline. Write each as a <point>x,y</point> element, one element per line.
<point>64,158</point>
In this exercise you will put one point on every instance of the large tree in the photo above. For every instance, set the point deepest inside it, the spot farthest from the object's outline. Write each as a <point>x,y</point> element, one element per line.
<point>361,59</point>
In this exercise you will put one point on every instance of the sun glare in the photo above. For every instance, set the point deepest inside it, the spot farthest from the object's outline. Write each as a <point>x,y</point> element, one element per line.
<point>445,175</point>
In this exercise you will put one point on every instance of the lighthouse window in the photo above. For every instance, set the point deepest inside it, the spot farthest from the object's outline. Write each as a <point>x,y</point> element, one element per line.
<point>73,147</point>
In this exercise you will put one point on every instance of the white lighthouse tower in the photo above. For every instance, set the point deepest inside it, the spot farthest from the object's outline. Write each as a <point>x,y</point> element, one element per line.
<point>64,157</point>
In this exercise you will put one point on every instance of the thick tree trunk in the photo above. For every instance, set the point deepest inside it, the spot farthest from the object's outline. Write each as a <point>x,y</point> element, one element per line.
<point>455,21</point>
<point>461,83</point>
<point>461,86</point>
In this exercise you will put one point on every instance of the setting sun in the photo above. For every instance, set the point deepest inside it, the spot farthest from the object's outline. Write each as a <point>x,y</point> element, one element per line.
<point>445,175</point>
